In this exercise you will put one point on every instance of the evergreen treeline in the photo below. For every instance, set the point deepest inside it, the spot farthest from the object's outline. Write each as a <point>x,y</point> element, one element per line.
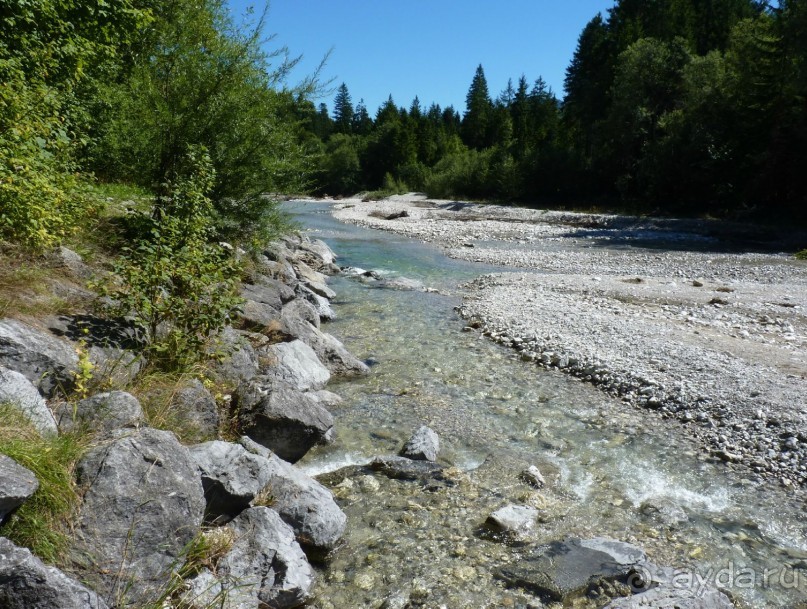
<point>677,106</point>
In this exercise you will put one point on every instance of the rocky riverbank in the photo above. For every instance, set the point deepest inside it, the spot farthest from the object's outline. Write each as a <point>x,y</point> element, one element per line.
<point>165,524</point>
<point>669,315</point>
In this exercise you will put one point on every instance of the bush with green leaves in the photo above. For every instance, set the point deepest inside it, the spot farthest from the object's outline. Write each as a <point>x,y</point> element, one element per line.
<point>178,286</point>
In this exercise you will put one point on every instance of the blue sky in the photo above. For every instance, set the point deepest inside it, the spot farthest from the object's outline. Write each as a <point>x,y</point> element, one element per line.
<point>428,48</point>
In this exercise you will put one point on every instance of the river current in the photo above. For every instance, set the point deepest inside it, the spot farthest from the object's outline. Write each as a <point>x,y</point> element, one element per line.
<point>611,469</point>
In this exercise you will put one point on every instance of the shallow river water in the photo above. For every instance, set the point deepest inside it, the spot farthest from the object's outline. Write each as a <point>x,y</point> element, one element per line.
<point>611,470</point>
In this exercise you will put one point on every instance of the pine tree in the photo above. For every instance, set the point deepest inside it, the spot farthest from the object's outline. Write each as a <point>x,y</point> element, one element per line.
<point>478,114</point>
<point>342,110</point>
<point>362,123</point>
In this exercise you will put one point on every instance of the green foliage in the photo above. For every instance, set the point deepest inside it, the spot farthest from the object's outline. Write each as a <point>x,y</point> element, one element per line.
<point>49,50</point>
<point>802,255</point>
<point>177,285</point>
<point>203,81</point>
<point>42,522</point>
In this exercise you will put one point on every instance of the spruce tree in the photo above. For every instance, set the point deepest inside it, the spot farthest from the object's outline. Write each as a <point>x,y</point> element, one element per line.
<point>342,111</point>
<point>478,113</point>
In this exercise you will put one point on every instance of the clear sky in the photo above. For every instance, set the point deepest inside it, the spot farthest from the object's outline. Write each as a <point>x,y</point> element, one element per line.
<point>428,48</point>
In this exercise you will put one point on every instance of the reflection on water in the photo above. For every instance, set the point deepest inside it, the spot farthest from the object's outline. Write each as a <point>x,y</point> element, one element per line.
<point>611,470</point>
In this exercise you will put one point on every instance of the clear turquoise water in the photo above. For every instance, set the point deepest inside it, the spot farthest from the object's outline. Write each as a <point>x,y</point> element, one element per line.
<point>606,462</point>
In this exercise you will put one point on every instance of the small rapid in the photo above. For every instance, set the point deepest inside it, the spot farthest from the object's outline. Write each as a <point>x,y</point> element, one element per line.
<point>612,470</point>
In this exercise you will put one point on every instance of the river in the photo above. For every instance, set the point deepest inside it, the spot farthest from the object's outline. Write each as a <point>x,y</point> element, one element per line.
<point>612,470</point>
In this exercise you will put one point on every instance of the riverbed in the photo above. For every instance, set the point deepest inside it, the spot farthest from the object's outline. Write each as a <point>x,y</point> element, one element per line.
<point>612,469</point>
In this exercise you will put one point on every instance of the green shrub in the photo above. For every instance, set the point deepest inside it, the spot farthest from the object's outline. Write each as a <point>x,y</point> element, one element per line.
<point>178,286</point>
<point>802,255</point>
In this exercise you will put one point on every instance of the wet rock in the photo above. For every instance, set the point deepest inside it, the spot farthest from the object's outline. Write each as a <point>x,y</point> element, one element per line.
<point>328,399</point>
<point>18,392</point>
<point>401,468</point>
<point>27,583</point>
<point>667,588</point>
<point>264,568</point>
<point>297,365</point>
<point>424,445</point>
<point>512,519</point>
<point>303,503</point>
<point>664,512</point>
<point>102,412</point>
<point>143,504</point>
<point>238,362</point>
<point>197,409</point>
<point>532,476</point>
<point>564,570</point>
<point>43,359</point>
<point>287,421</point>
<point>402,283</point>
<point>16,485</point>
<point>321,289</point>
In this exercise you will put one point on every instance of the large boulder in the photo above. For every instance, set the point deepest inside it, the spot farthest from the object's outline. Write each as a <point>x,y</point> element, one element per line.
<point>197,408</point>
<point>237,360</point>
<point>18,392</point>
<point>287,421</point>
<point>258,315</point>
<point>27,583</point>
<point>295,364</point>
<point>16,485</point>
<point>43,359</point>
<point>424,445</point>
<point>565,570</point>
<point>302,502</point>
<point>265,566</point>
<point>231,476</point>
<point>316,253</point>
<point>339,361</point>
<point>268,291</point>
<point>142,505</point>
<point>321,304</point>
<point>103,412</point>
<point>307,274</point>
<point>299,311</point>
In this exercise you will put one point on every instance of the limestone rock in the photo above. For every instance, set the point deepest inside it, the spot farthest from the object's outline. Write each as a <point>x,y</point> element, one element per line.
<point>197,408</point>
<point>17,391</point>
<point>424,445</point>
<point>16,485</point>
<point>103,412</point>
<point>303,503</point>
<point>321,304</point>
<point>287,421</point>
<point>42,358</point>
<point>143,503</point>
<point>563,570</point>
<point>27,583</point>
<point>512,519</point>
<point>532,476</point>
<point>239,362</point>
<point>297,365</point>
